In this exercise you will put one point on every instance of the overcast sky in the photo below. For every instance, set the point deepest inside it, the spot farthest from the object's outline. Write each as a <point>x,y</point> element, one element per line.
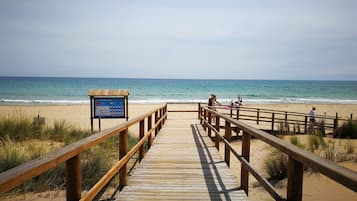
<point>305,39</point>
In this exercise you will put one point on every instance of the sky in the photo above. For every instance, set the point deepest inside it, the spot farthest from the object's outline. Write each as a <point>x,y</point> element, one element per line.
<point>211,39</point>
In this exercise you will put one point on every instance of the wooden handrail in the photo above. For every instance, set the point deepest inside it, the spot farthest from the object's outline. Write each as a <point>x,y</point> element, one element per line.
<point>90,195</point>
<point>266,115</point>
<point>262,110</point>
<point>297,158</point>
<point>18,175</point>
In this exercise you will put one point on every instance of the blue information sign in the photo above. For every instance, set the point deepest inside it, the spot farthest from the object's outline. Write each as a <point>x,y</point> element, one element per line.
<point>109,107</point>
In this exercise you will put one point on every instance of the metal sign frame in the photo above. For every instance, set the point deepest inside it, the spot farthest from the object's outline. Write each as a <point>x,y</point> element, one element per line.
<point>113,98</point>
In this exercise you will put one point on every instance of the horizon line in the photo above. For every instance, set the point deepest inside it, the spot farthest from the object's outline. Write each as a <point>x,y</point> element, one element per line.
<point>165,78</point>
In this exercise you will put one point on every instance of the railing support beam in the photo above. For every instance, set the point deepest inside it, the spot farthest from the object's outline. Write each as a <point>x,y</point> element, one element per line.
<point>141,135</point>
<point>245,153</point>
<point>295,180</point>
<point>156,119</point>
<point>217,128</point>
<point>227,135</point>
<point>123,150</point>
<point>210,123</point>
<point>149,128</point>
<point>73,176</point>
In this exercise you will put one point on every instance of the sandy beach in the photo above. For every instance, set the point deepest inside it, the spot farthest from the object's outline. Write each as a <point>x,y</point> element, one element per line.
<point>316,187</point>
<point>79,115</point>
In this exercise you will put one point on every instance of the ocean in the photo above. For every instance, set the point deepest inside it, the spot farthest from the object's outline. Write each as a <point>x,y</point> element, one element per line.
<point>48,90</point>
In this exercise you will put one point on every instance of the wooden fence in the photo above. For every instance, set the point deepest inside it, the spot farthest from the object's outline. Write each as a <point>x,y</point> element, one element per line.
<point>71,155</point>
<point>298,158</point>
<point>283,121</point>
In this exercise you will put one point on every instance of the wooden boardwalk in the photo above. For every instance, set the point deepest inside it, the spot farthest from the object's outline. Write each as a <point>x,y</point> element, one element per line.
<point>182,164</point>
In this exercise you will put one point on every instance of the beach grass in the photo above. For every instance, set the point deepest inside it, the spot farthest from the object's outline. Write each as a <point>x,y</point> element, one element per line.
<point>23,138</point>
<point>275,164</point>
<point>347,130</point>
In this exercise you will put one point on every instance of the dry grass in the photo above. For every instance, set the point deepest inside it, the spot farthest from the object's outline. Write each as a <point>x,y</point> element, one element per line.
<point>23,138</point>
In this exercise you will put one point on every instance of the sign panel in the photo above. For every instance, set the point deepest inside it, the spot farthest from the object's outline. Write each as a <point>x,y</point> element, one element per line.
<point>109,107</point>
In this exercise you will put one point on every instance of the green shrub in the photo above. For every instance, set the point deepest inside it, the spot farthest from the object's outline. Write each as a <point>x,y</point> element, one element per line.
<point>16,148</point>
<point>95,163</point>
<point>349,147</point>
<point>347,130</point>
<point>276,166</point>
<point>315,142</point>
<point>17,127</point>
<point>295,141</point>
<point>14,153</point>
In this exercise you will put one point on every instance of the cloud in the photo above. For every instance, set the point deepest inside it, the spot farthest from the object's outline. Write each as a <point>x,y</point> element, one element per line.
<point>179,39</point>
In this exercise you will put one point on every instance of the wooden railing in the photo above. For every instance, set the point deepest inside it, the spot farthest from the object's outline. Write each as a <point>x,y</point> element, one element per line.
<point>71,155</point>
<point>285,119</point>
<point>298,158</point>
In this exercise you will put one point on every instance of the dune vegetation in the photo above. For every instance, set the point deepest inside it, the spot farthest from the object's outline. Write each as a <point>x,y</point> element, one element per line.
<point>23,138</point>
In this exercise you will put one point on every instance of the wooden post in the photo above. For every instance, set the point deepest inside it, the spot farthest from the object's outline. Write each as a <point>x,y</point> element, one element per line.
<point>201,122</point>
<point>210,123</point>
<point>238,114</point>
<point>335,125</point>
<point>351,117</point>
<point>200,115</point>
<point>217,137</point>
<point>227,135</point>
<point>73,178</point>
<point>286,121</point>
<point>165,111</point>
<point>156,118</point>
<point>91,113</point>
<point>99,124</point>
<point>272,121</point>
<point>160,115</point>
<point>199,112</point>
<point>205,118</point>
<point>305,131</point>
<point>141,135</point>
<point>245,153</point>
<point>257,116</point>
<point>126,108</point>
<point>217,123</point>
<point>123,150</point>
<point>231,113</point>
<point>149,128</point>
<point>295,180</point>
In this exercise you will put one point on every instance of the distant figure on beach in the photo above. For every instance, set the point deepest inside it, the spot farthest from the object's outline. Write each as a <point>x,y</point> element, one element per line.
<point>214,101</point>
<point>239,102</point>
<point>312,115</point>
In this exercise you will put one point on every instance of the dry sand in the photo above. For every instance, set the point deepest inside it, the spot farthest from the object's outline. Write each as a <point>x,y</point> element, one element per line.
<point>316,187</point>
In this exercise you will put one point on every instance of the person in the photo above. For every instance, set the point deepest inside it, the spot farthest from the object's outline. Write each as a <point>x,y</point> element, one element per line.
<point>239,102</point>
<point>215,102</point>
<point>312,115</point>
<point>210,101</point>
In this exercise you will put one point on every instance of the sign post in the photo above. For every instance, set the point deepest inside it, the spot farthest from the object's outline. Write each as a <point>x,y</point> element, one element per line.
<point>108,104</point>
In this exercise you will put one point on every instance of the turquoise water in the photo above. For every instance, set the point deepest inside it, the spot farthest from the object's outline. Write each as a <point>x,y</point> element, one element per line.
<point>35,90</point>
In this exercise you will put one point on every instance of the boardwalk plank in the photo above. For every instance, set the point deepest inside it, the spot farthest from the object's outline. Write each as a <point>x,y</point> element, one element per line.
<point>182,164</point>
